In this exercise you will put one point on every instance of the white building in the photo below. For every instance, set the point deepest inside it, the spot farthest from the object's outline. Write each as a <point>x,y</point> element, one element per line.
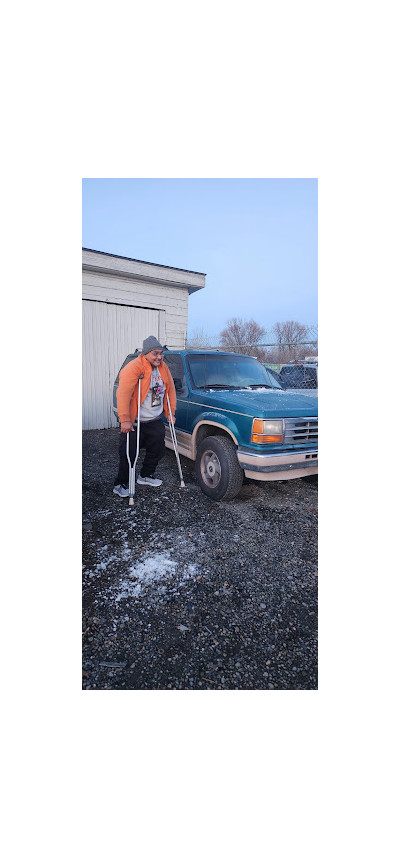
<point>125,300</point>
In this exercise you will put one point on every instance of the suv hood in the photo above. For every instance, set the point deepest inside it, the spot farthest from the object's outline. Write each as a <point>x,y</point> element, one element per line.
<point>253,402</point>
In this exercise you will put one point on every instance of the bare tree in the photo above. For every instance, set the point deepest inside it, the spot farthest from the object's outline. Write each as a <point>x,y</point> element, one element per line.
<point>242,337</point>
<point>291,337</point>
<point>290,332</point>
<point>272,356</point>
<point>198,339</point>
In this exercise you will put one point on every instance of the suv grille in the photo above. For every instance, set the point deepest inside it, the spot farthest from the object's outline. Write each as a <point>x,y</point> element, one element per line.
<point>301,430</point>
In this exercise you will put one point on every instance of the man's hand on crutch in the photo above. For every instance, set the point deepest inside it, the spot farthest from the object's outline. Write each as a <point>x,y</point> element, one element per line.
<point>126,427</point>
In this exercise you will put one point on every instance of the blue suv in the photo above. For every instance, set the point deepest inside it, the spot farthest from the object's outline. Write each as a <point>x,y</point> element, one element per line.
<point>234,420</point>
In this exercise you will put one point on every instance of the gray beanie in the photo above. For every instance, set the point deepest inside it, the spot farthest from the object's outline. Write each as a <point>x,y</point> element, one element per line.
<point>149,344</point>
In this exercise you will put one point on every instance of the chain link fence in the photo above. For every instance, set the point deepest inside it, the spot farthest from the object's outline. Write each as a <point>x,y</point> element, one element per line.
<point>275,349</point>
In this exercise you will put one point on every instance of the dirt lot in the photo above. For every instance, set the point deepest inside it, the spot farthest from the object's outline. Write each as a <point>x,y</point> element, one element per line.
<point>181,593</point>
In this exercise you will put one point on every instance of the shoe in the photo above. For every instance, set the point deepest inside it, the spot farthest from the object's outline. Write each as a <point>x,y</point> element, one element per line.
<point>148,480</point>
<point>122,490</point>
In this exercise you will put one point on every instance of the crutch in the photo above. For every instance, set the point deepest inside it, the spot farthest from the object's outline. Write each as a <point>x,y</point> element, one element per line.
<point>174,443</point>
<point>132,469</point>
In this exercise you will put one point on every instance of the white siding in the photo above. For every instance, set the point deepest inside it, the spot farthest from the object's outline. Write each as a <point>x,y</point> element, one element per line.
<point>143,293</point>
<point>124,301</point>
<point>110,333</point>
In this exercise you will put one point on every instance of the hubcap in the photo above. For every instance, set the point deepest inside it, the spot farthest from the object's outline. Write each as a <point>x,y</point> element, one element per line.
<point>210,469</point>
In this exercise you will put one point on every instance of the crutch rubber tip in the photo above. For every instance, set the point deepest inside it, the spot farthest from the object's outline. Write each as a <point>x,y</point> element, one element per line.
<point>131,501</point>
<point>183,484</point>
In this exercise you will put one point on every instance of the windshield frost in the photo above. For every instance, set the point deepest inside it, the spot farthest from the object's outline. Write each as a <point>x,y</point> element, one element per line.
<point>228,371</point>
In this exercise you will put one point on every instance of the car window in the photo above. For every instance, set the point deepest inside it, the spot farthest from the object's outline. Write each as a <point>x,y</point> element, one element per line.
<point>226,370</point>
<point>273,379</point>
<point>299,377</point>
<point>292,377</point>
<point>175,365</point>
<point>310,378</point>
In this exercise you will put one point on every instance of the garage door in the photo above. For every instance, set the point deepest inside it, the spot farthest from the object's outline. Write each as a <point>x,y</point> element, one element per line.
<point>110,332</point>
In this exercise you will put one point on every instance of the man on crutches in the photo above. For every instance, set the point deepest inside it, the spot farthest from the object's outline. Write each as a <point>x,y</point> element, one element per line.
<point>149,376</point>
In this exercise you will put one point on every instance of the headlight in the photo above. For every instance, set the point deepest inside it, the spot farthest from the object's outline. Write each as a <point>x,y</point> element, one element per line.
<point>267,431</point>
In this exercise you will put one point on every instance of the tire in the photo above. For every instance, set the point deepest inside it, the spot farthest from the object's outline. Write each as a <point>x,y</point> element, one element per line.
<point>217,469</point>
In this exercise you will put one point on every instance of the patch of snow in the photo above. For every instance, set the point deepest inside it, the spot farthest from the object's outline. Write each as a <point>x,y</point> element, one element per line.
<point>154,572</point>
<point>247,389</point>
<point>128,590</point>
<point>153,568</point>
<point>105,563</point>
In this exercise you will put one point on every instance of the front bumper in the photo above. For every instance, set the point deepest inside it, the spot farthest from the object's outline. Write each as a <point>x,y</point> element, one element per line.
<point>285,465</point>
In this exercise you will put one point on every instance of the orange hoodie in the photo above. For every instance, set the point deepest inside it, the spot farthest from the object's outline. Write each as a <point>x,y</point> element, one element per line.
<point>128,389</point>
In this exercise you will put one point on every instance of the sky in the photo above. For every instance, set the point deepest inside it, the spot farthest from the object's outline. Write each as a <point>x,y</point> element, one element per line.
<point>254,238</point>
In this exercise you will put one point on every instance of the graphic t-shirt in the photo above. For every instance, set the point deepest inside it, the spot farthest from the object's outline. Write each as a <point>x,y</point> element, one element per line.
<point>152,406</point>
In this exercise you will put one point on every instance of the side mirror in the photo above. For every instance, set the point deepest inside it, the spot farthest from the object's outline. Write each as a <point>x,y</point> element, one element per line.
<point>178,384</point>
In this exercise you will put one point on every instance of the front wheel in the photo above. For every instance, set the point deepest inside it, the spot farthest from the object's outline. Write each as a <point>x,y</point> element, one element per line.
<point>217,468</point>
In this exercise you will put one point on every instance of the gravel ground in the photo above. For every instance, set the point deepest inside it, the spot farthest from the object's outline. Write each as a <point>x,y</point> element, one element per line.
<point>181,593</point>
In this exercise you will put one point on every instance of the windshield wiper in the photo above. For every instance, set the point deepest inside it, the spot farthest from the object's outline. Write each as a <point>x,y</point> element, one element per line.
<point>236,386</point>
<point>258,386</point>
<point>219,386</point>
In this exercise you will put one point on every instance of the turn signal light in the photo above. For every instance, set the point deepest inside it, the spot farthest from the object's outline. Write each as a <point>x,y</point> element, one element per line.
<point>266,438</point>
<point>267,431</point>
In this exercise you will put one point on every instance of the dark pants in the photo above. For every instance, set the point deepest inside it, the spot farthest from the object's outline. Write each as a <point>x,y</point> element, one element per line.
<point>152,437</point>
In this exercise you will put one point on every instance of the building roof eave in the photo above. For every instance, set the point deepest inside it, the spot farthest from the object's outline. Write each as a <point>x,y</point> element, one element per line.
<point>124,266</point>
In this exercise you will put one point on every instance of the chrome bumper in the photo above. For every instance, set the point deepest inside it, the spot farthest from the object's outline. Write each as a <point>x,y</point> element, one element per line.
<point>286,465</point>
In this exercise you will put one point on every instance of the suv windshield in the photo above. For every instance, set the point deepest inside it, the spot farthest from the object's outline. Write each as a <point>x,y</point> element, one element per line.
<point>228,371</point>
